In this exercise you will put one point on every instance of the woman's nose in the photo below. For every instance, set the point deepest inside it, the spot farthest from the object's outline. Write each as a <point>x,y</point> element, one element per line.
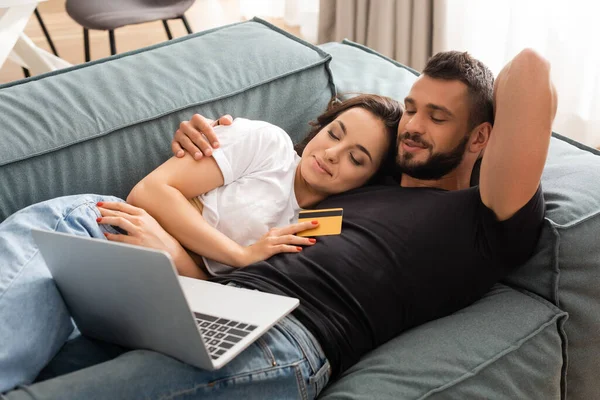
<point>331,154</point>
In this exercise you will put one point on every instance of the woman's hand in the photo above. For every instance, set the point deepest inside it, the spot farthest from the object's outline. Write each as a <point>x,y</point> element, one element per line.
<point>142,229</point>
<point>197,136</point>
<point>278,240</point>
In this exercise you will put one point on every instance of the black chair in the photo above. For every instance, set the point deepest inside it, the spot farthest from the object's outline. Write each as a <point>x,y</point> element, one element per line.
<point>109,15</point>
<point>48,38</point>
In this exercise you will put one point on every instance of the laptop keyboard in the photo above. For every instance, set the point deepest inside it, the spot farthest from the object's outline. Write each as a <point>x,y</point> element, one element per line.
<point>221,334</point>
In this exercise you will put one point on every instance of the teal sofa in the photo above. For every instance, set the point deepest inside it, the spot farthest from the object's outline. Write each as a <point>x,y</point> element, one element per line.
<point>101,126</point>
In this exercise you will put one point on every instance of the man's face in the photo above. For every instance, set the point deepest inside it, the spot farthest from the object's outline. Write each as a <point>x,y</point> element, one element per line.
<point>433,132</point>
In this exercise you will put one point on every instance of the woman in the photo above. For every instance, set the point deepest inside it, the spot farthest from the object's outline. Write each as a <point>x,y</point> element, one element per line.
<point>348,144</point>
<point>255,183</point>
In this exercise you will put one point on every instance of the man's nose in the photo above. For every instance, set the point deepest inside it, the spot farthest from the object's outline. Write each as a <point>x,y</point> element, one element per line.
<point>414,123</point>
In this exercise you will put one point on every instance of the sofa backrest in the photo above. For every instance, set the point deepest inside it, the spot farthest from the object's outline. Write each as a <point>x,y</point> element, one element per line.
<point>57,141</point>
<point>565,267</point>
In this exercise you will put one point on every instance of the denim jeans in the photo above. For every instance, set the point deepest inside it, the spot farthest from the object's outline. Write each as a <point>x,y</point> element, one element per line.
<point>286,362</point>
<point>34,322</point>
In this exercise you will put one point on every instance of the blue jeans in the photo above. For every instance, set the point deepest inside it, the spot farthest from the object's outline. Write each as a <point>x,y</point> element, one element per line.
<point>34,322</point>
<point>286,362</point>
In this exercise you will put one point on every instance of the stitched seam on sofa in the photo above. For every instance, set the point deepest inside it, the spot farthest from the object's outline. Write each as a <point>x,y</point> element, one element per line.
<point>555,264</point>
<point>578,221</point>
<point>541,300</point>
<point>565,353</point>
<point>163,44</point>
<point>473,372</point>
<point>290,36</point>
<point>564,339</point>
<point>576,143</point>
<point>215,382</point>
<point>554,298</point>
<point>117,56</point>
<point>371,51</point>
<point>171,111</point>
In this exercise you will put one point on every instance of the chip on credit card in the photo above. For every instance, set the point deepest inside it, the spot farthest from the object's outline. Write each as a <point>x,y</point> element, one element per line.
<point>330,221</point>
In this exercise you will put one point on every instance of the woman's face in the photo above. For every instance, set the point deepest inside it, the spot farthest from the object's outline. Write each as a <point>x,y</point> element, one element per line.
<point>346,153</point>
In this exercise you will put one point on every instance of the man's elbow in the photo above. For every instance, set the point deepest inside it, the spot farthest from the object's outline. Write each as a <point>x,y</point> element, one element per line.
<point>533,59</point>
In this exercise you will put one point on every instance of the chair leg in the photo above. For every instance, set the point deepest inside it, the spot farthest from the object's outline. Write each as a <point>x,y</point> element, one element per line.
<point>41,21</point>
<point>185,23</point>
<point>26,72</point>
<point>169,35</point>
<point>86,44</point>
<point>113,46</point>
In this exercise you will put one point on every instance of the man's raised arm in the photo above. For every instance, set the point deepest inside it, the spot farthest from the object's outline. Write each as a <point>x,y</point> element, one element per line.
<point>525,105</point>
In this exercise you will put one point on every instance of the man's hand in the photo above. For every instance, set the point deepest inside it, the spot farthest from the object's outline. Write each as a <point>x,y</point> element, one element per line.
<point>197,136</point>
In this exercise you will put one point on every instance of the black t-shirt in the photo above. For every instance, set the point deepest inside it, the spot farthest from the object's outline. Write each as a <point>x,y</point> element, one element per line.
<point>405,256</point>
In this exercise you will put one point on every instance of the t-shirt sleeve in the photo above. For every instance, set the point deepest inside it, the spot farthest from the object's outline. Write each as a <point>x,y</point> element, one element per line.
<point>513,240</point>
<point>250,146</point>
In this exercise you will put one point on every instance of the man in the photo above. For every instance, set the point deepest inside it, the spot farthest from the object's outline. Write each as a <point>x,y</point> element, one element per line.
<point>425,248</point>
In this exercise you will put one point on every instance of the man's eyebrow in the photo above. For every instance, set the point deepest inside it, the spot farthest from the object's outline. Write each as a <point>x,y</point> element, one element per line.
<point>431,106</point>
<point>440,108</point>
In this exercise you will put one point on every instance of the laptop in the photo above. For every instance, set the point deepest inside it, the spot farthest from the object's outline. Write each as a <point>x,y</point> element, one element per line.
<point>132,296</point>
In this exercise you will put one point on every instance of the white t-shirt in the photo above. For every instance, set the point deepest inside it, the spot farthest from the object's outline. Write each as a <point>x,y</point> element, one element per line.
<point>258,163</point>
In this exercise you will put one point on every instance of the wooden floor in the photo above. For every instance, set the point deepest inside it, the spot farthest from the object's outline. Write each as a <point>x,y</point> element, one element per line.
<point>67,35</point>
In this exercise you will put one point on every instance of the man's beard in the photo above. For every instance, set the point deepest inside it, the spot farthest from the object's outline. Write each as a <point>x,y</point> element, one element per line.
<point>435,167</point>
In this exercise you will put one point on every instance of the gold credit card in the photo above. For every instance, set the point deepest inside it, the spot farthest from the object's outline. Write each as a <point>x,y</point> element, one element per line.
<point>330,221</point>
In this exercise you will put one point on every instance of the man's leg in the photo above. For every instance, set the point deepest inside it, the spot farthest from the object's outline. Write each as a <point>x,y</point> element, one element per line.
<point>34,322</point>
<point>285,363</point>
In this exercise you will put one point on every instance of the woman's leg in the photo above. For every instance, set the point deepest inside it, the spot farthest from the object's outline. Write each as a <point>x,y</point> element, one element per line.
<point>34,320</point>
<point>285,363</point>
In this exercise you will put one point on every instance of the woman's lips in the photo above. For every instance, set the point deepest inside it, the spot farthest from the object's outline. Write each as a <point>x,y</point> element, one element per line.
<point>320,167</point>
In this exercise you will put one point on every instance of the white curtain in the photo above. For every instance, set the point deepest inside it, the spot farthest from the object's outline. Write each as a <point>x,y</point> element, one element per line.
<point>301,13</point>
<point>399,29</point>
<point>565,32</point>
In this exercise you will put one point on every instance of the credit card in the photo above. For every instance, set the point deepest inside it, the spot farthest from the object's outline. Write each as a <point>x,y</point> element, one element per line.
<point>330,221</point>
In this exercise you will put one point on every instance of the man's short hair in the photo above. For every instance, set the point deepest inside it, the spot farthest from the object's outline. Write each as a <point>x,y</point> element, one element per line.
<point>461,66</point>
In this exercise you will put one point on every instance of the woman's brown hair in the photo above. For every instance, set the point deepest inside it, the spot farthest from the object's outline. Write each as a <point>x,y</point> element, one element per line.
<point>388,110</point>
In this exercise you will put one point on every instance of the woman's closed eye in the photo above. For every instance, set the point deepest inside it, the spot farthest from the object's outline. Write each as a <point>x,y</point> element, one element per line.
<point>331,135</point>
<point>354,160</point>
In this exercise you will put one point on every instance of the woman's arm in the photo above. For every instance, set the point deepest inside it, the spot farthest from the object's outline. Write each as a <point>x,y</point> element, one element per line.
<point>164,194</point>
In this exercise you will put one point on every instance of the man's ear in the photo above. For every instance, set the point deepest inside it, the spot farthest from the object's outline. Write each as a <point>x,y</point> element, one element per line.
<point>480,137</point>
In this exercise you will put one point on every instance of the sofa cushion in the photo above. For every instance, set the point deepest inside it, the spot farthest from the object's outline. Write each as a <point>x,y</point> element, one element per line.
<point>506,345</point>
<point>101,126</point>
<point>358,69</point>
<point>566,266</point>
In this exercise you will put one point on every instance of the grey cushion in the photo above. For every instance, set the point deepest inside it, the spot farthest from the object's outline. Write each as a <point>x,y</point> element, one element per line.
<point>101,126</point>
<point>505,346</point>
<point>566,265</point>
<point>358,69</point>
